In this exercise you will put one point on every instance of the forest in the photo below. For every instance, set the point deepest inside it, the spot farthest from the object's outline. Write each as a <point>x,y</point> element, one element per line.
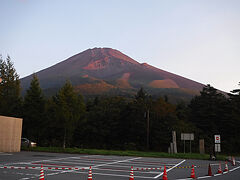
<point>140,122</point>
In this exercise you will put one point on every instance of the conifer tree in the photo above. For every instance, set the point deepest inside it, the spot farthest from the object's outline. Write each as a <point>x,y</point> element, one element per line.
<point>209,113</point>
<point>10,99</point>
<point>234,142</point>
<point>33,111</point>
<point>70,108</point>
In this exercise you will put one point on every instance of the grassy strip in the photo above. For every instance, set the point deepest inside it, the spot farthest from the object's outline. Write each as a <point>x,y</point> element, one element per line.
<point>125,153</point>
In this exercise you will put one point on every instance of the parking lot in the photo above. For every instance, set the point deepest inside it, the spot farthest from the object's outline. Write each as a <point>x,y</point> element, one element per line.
<point>26,165</point>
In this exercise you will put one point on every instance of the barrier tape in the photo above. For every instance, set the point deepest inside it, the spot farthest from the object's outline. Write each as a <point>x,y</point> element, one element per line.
<point>87,168</point>
<point>146,169</point>
<point>45,168</point>
<point>168,167</point>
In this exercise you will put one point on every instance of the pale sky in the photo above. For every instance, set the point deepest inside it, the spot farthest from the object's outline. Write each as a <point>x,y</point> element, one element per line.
<point>197,39</point>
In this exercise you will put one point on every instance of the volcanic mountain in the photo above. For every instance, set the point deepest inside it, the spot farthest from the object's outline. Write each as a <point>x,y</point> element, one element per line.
<point>108,71</point>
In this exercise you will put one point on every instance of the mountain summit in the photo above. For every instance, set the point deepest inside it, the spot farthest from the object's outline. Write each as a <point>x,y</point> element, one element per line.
<point>105,70</point>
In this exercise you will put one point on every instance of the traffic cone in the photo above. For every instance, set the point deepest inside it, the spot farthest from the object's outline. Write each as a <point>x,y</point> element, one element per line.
<point>164,173</point>
<point>233,161</point>
<point>131,174</point>
<point>90,173</point>
<point>226,167</point>
<point>219,169</point>
<point>41,177</point>
<point>209,170</point>
<point>193,173</point>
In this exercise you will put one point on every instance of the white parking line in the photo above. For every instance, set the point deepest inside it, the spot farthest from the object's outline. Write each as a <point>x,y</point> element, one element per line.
<point>65,162</point>
<point>116,175</point>
<point>234,169</point>
<point>115,162</point>
<point>203,177</point>
<point>31,162</point>
<point>49,160</point>
<point>62,172</point>
<point>170,169</point>
<point>125,170</point>
<point>56,173</point>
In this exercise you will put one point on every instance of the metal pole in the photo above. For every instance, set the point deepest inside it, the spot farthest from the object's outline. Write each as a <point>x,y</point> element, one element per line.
<point>148,129</point>
<point>190,147</point>
<point>184,146</point>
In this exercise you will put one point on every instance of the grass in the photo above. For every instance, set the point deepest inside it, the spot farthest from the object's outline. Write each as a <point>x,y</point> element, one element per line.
<point>125,153</point>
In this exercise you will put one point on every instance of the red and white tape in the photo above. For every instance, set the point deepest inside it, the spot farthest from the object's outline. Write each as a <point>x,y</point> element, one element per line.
<point>146,169</point>
<point>51,168</point>
<point>68,168</point>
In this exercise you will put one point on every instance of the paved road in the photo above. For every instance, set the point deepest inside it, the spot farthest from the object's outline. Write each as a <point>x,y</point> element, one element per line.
<point>26,166</point>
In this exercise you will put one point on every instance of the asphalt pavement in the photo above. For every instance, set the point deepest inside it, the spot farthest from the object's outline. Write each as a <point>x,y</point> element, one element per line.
<point>58,166</point>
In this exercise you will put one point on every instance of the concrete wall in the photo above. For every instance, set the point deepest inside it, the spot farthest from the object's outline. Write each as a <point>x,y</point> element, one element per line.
<point>10,134</point>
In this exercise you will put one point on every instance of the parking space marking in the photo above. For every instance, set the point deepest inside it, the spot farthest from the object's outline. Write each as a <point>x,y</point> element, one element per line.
<point>234,169</point>
<point>68,171</point>
<point>117,175</point>
<point>170,169</point>
<point>116,162</point>
<point>124,170</point>
<point>204,177</point>
<point>47,160</point>
<point>64,162</point>
<point>114,166</point>
<point>32,162</point>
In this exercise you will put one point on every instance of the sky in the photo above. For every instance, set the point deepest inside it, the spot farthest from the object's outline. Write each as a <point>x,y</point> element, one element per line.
<point>196,39</point>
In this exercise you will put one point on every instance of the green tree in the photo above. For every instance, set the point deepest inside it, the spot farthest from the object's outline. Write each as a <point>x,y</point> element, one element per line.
<point>52,130</point>
<point>104,124</point>
<point>142,104</point>
<point>209,112</point>
<point>70,108</point>
<point>234,134</point>
<point>10,99</point>
<point>34,109</point>
<point>163,121</point>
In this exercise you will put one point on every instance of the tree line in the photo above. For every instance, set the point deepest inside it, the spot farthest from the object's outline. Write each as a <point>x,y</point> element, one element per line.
<point>137,123</point>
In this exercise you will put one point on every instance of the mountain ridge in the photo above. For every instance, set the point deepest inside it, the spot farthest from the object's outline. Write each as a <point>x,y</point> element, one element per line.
<point>110,68</point>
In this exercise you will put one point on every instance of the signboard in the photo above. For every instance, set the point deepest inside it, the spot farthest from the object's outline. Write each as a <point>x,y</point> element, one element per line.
<point>217,139</point>
<point>187,136</point>
<point>217,147</point>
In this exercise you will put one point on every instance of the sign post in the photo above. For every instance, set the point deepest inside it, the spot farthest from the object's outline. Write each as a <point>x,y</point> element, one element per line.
<point>217,140</point>
<point>217,148</point>
<point>188,137</point>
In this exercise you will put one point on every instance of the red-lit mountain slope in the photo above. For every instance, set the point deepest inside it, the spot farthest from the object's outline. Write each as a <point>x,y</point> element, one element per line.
<point>105,70</point>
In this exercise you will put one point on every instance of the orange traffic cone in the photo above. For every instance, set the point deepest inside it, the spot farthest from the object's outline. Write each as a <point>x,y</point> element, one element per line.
<point>226,167</point>
<point>90,173</point>
<point>193,173</point>
<point>233,161</point>
<point>164,173</point>
<point>41,177</point>
<point>209,170</point>
<point>219,169</point>
<point>131,174</point>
